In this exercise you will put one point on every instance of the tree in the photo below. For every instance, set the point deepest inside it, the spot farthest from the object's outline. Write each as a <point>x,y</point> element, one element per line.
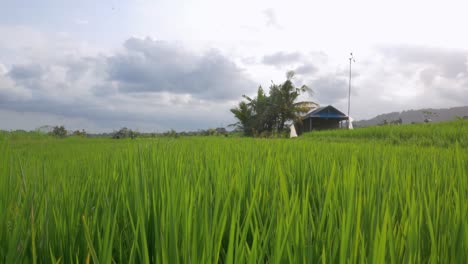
<point>269,113</point>
<point>284,98</point>
<point>125,133</point>
<point>79,133</point>
<point>59,131</point>
<point>243,113</point>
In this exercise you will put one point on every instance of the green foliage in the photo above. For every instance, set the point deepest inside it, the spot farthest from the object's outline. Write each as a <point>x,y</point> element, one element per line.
<point>79,133</point>
<point>125,133</point>
<point>243,113</point>
<point>338,197</point>
<point>171,133</point>
<point>59,131</point>
<point>264,113</point>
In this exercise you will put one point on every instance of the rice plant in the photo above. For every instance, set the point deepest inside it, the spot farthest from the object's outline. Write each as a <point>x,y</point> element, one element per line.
<point>332,197</point>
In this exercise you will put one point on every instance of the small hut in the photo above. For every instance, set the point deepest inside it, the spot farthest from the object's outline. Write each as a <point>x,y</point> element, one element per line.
<point>327,117</point>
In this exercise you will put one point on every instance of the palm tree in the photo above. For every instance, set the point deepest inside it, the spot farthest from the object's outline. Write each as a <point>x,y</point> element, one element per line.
<point>263,115</point>
<point>243,113</point>
<point>271,112</point>
<point>284,98</point>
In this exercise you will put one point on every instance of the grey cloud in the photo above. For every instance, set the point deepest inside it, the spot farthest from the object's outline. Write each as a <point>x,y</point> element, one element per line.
<point>282,58</point>
<point>154,66</point>
<point>9,92</point>
<point>306,69</point>
<point>103,90</point>
<point>148,85</point>
<point>442,72</point>
<point>427,75</point>
<point>457,94</point>
<point>455,89</point>
<point>77,68</point>
<point>26,71</point>
<point>450,62</point>
<point>329,89</point>
<point>410,77</point>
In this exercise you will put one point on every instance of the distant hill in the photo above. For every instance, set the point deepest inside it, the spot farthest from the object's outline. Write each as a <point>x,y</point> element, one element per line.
<point>416,116</point>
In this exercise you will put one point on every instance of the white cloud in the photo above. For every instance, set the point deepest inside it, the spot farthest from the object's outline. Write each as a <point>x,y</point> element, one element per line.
<point>10,92</point>
<point>271,19</point>
<point>81,22</point>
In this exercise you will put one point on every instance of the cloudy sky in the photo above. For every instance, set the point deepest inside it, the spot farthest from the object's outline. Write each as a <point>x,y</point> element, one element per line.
<point>182,64</point>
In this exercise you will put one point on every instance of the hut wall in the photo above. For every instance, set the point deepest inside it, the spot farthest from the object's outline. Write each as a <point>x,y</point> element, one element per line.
<point>323,123</point>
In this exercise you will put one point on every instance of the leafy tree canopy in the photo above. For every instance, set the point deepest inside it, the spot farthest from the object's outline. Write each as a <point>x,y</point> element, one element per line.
<point>270,112</point>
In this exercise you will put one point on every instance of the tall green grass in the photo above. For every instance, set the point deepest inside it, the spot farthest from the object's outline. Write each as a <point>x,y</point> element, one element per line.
<point>426,134</point>
<point>233,200</point>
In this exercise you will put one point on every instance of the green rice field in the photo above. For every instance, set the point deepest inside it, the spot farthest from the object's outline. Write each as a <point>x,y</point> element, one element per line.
<point>390,194</point>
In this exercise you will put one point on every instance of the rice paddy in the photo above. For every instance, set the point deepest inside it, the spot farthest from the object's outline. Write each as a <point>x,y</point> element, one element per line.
<point>394,194</point>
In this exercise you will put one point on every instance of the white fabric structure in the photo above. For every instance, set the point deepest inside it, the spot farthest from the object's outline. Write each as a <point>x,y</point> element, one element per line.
<point>350,123</point>
<point>293,133</point>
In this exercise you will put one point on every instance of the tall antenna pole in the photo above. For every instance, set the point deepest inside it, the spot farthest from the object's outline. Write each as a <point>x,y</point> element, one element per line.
<point>351,59</point>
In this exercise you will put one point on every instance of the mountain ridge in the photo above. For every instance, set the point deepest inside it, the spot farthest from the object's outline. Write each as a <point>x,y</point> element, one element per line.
<point>416,116</point>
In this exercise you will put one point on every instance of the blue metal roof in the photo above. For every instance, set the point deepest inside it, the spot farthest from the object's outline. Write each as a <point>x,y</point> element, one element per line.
<point>326,112</point>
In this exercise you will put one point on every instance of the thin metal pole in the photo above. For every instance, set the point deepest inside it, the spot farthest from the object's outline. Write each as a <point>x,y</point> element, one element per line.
<point>349,90</point>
